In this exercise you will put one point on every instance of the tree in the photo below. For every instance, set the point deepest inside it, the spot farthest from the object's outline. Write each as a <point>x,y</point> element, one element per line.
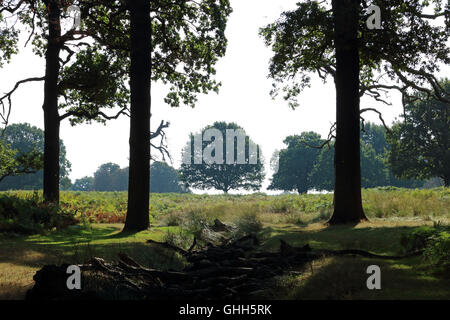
<point>420,144</point>
<point>296,163</point>
<point>93,81</point>
<point>212,159</point>
<point>104,177</point>
<point>29,140</point>
<point>164,179</point>
<point>164,36</point>
<point>374,169</point>
<point>334,41</point>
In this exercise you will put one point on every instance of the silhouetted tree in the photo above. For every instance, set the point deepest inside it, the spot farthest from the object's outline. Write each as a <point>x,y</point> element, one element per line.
<point>334,40</point>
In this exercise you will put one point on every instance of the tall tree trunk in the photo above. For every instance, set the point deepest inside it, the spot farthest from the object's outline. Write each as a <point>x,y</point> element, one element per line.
<point>50,106</point>
<point>347,188</point>
<point>140,85</point>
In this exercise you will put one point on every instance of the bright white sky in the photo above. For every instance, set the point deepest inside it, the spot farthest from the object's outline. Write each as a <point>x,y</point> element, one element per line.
<point>243,98</point>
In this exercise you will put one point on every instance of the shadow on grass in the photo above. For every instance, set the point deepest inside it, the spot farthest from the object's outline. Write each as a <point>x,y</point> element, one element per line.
<point>332,278</point>
<point>345,277</point>
<point>376,239</point>
<point>78,245</point>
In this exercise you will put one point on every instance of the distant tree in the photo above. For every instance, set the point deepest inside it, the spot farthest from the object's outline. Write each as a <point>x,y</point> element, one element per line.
<point>296,163</point>
<point>27,139</point>
<point>164,179</point>
<point>110,177</point>
<point>322,175</point>
<point>373,156</point>
<point>224,173</point>
<point>83,184</point>
<point>105,176</point>
<point>374,135</point>
<point>420,144</point>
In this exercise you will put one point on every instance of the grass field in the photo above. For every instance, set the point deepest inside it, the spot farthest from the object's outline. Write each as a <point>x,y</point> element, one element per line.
<point>295,219</point>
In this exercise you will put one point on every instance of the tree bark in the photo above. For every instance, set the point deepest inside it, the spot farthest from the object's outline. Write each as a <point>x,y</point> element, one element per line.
<point>347,189</point>
<point>50,105</point>
<point>140,84</point>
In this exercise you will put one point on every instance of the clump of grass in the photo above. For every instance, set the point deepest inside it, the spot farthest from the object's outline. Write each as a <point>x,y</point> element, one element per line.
<point>173,220</point>
<point>248,223</point>
<point>180,239</point>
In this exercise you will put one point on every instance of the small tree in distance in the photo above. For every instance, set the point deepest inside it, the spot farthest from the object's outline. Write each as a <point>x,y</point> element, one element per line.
<point>239,168</point>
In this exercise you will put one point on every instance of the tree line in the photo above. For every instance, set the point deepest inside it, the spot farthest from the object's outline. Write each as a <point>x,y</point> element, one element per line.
<point>110,177</point>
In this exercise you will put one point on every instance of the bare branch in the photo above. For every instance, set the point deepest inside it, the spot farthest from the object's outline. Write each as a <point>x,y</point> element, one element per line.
<point>162,147</point>
<point>327,142</point>
<point>91,116</point>
<point>6,111</point>
<point>379,116</point>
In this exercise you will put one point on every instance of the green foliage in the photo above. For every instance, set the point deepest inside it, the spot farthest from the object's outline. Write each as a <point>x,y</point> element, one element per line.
<point>248,223</point>
<point>190,34</point>
<point>435,243</point>
<point>95,80</point>
<point>296,162</point>
<point>420,143</point>
<point>13,164</point>
<point>222,176</point>
<point>7,160</point>
<point>375,171</point>
<point>31,215</point>
<point>9,37</point>
<point>407,48</point>
<point>28,141</point>
<point>109,177</point>
<point>164,179</point>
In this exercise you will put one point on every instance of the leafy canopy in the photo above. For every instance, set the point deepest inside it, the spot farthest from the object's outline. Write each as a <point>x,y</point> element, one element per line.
<point>226,175</point>
<point>27,145</point>
<point>296,162</point>
<point>420,144</point>
<point>403,55</point>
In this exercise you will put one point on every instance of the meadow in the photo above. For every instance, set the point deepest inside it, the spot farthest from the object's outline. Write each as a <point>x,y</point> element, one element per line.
<point>398,219</point>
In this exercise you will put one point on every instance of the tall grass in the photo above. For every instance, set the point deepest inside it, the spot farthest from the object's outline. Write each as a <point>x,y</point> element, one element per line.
<point>172,209</point>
